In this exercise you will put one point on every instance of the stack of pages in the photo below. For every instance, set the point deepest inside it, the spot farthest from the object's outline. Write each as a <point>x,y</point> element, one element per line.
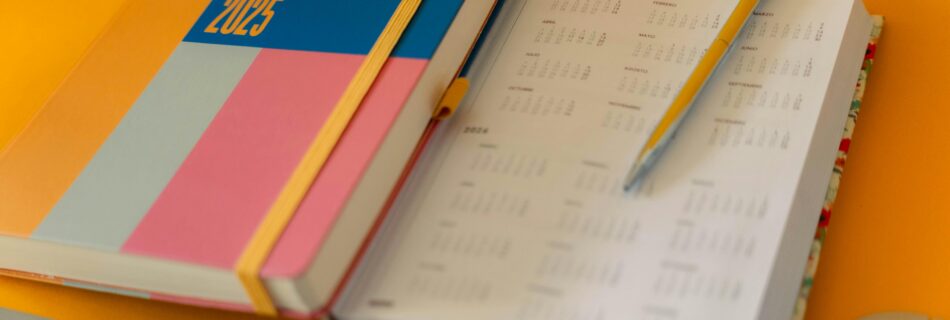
<point>155,179</point>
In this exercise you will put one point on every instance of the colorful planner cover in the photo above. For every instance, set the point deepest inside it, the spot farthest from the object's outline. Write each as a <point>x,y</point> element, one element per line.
<point>188,170</point>
<point>843,149</point>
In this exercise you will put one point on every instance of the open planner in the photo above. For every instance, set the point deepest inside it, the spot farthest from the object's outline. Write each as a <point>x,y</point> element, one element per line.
<point>290,157</point>
<point>517,211</point>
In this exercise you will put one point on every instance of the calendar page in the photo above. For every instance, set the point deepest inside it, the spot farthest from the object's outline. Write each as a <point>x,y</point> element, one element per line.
<point>518,209</point>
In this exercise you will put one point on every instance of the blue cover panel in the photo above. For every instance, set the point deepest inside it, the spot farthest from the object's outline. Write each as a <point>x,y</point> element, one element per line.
<point>338,26</point>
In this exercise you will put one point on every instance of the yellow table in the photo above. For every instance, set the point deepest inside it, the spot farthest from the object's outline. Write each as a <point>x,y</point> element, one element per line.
<point>889,244</point>
<point>58,302</point>
<point>43,42</point>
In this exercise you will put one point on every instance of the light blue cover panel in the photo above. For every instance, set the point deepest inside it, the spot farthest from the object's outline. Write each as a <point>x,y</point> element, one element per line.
<point>117,188</point>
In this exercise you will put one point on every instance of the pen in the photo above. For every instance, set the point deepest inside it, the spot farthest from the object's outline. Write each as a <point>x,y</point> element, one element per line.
<point>671,120</point>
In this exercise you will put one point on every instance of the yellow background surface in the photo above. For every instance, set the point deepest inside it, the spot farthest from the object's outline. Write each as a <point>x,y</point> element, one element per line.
<point>41,42</point>
<point>888,247</point>
<point>889,243</point>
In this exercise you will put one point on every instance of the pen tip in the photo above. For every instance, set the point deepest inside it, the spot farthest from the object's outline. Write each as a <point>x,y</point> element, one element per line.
<point>633,179</point>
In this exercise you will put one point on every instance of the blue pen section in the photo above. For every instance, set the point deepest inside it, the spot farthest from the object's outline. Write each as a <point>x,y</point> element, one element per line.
<point>338,26</point>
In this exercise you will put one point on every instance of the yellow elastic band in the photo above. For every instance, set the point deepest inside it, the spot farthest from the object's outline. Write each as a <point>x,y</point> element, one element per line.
<point>252,260</point>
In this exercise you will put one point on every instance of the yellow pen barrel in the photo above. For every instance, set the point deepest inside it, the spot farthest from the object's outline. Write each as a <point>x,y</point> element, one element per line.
<point>668,124</point>
<point>704,70</point>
